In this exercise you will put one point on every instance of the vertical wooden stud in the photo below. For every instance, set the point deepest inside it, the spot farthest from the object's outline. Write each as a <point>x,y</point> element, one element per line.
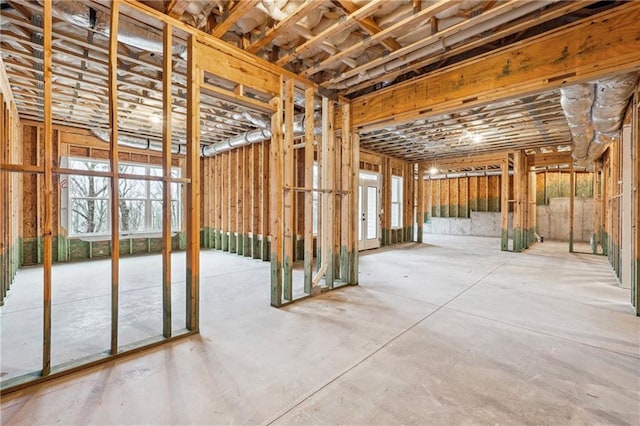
<point>355,218</point>
<point>167,100</point>
<point>346,194</point>
<point>247,199</point>
<point>309,138</point>
<point>276,201</point>
<point>288,182</point>
<point>47,192</point>
<point>420,201</point>
<point>194,79</point>
<point>572,193</point>
<point>504,204</point>
<point>265,193</point>
<point>255,200</point>
<point>115,197</point>
<point>329,163</point>
<point>635,141</point>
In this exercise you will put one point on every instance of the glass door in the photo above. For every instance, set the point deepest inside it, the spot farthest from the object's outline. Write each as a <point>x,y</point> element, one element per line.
<point>369,211</point>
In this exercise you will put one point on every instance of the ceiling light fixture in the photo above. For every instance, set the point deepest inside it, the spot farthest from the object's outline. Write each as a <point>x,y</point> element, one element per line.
<point>433,170</point>
<point>155,119</point>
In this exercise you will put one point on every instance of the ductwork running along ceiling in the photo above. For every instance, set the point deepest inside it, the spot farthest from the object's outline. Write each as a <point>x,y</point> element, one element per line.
<point>350,47</point>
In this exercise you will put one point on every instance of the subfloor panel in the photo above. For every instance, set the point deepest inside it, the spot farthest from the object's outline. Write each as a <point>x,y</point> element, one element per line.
<point>447,332</point>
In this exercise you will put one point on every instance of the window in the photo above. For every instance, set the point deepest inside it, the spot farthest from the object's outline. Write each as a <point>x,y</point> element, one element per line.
<point>140,203</point>
<point>396,201</point>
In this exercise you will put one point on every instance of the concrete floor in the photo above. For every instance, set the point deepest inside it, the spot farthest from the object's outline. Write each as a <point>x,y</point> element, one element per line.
<point>449,332</point>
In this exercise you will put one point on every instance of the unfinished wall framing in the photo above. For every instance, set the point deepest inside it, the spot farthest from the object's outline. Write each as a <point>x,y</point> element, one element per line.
<point>10,188</point>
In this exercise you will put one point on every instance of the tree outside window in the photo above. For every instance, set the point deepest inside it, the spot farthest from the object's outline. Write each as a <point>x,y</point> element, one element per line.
<point>140,201</point>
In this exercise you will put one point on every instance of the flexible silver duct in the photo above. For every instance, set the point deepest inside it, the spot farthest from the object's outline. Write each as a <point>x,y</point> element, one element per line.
<point>466,174</point>
<point>255,120</point>
<point>576,103</point>
<point>80,14</point>
<point>136,142</point>
<point>254,136</point>
<point>595,112</point>
<point>612,98</point>
<point>442,45</point>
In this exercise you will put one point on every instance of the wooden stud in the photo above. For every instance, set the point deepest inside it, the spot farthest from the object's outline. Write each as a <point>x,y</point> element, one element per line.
<point>347,193</point>
<point>247,199</point>
<point>504,204</point>
<point>572,193</point>
<point>518,207</point>
<point>233,199</point>
<point>265,191</point>
<point>167,100</point>
<point>194,79</point>
<point>420,201</point>
<point>355,219</point>
<point>276,201</point>
<point>115,186</point>
<point>288,198</point>
<point>309,148</point>
<point>329,163</point>
<point>225,191</point>
<point>254,180</point>
<point>635,141</point>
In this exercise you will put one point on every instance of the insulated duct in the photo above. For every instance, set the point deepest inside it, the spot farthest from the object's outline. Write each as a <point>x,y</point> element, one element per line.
<point>136,142</point>
<point>595,112</point>
<point>80,14</point>
<point>576,103</point>
<point>254,136</point>
<point>612,98</point>
<point>441,45</point>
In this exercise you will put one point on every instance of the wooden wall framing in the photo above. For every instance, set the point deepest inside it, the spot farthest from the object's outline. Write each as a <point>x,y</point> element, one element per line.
<point>10,188</point>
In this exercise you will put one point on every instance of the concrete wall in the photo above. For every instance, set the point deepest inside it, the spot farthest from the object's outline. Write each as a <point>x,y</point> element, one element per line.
<point>482,224</point>
<point>552,221</point>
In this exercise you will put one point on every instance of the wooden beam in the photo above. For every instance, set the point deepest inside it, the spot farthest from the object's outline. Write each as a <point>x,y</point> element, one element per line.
<point>47,190</point>
<point>238,11</point>
<point>167,100</point>
<point>339,26</point>
<point>493,159</point>
<point>283,26</point>
<point>175,8</point>
<point>194,80</point>
<point>378,37</point>
<point>592,48</point>
<point>369,25</point>
<point>550,159</point>
<point>224,48</point>
<point>562,9</point>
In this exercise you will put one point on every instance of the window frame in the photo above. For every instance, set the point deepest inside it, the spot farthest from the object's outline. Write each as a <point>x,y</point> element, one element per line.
<point>397,183</point>
<point>148,200</point>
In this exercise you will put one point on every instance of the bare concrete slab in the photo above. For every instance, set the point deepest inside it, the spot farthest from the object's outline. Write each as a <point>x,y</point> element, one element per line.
<point>449,332</point>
